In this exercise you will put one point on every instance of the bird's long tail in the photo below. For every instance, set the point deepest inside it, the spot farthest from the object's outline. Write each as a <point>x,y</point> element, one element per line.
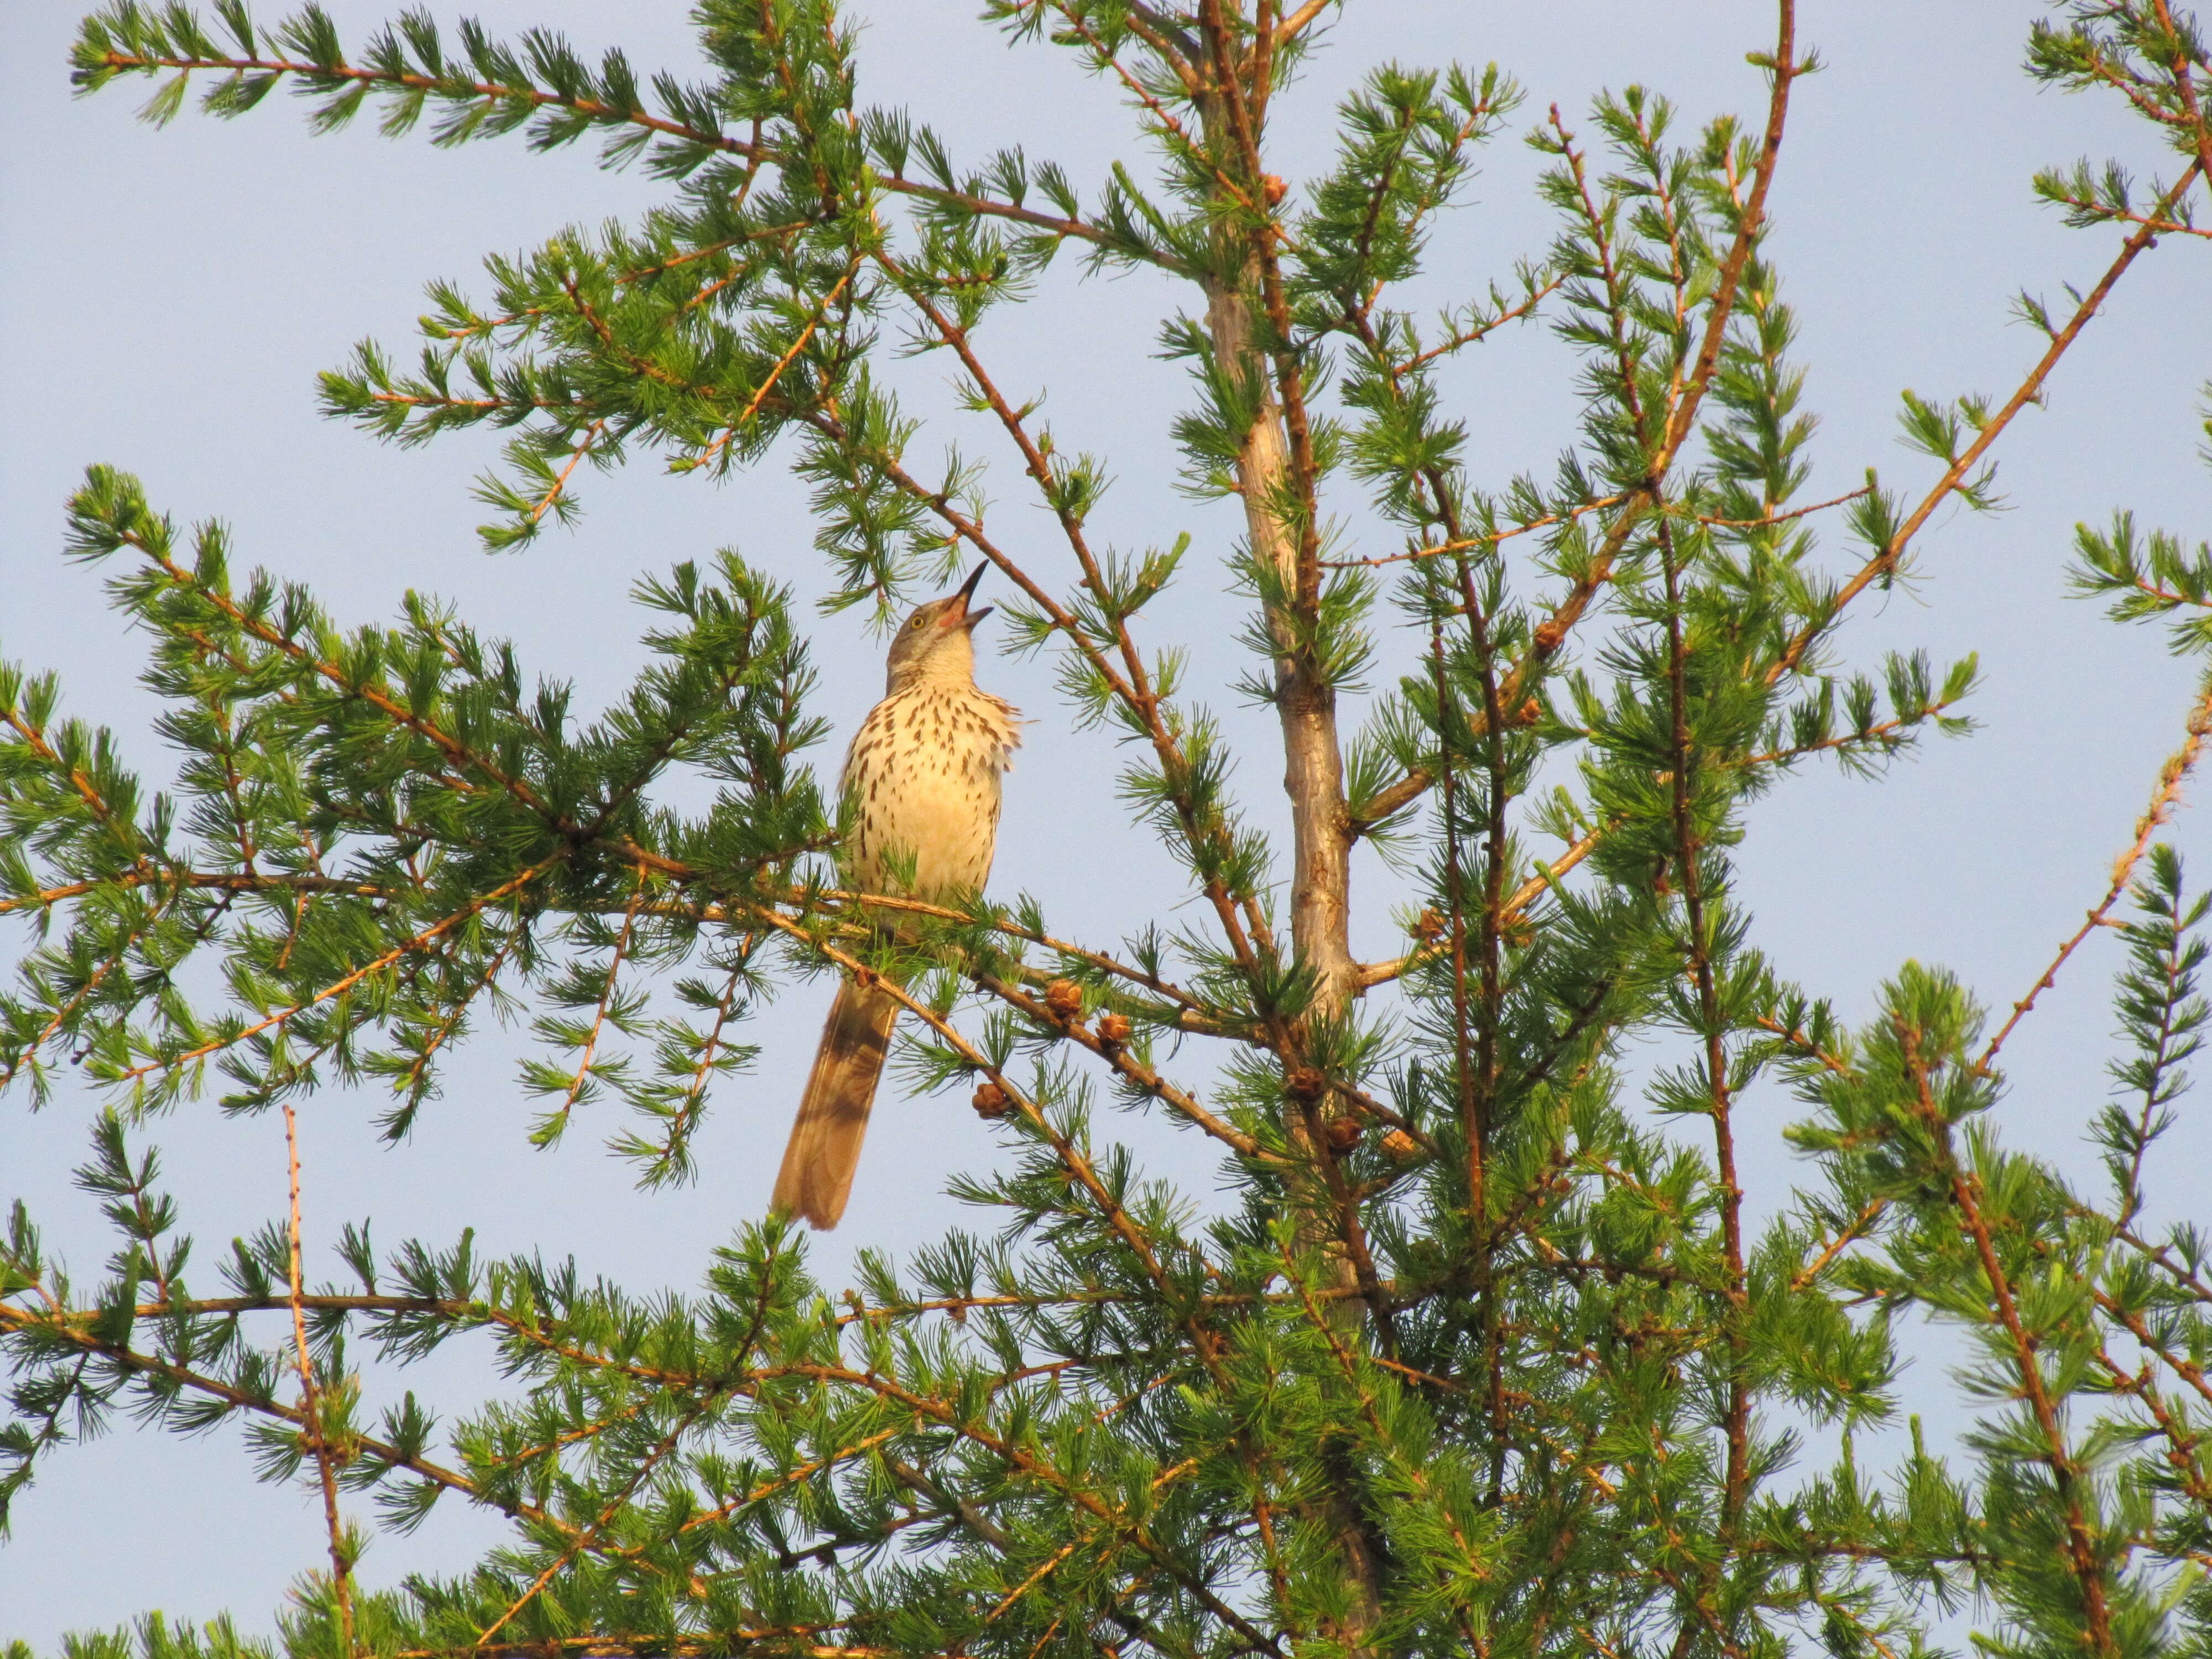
<point>833,1114</point>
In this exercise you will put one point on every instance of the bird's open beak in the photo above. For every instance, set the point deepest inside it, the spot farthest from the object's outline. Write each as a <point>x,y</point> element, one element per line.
<point>963,616</point>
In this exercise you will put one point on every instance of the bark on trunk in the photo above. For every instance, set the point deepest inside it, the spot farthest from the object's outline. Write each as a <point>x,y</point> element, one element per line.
<point>1313,776</point>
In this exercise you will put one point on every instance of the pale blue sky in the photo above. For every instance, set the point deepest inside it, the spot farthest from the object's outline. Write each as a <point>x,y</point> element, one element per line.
<point>166,297</point>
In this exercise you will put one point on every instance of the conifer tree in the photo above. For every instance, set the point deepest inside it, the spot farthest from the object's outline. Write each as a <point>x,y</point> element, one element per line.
<point>1482,1355</point>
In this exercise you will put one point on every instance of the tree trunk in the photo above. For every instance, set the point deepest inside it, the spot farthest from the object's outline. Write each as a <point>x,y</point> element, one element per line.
<point>1313,774</point>
<point>1313,777</point>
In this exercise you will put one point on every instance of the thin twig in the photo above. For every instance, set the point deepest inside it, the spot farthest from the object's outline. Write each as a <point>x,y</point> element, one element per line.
<point>1489,538</point>
<point>311,1404</point>
<point>338,987</point>
<point>2171,777</point>
<point>1057,224</point>
<point>1381,973</point>
<point>561,482</point>
<point>1885,561</point>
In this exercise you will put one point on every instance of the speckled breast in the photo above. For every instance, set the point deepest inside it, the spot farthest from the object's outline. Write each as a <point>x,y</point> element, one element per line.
<point>923,774</point>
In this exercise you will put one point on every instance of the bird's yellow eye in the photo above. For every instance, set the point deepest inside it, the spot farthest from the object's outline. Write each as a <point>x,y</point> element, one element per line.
<point>916,623</point>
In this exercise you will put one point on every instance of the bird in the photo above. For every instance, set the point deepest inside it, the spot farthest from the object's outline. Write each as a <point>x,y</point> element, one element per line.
<point>922,781</point>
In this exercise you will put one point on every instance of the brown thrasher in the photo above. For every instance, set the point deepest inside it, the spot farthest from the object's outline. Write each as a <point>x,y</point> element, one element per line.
<point>922,777</point>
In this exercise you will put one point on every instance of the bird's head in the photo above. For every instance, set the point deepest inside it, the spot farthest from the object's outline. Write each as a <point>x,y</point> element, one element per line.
<point>935,643</point>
